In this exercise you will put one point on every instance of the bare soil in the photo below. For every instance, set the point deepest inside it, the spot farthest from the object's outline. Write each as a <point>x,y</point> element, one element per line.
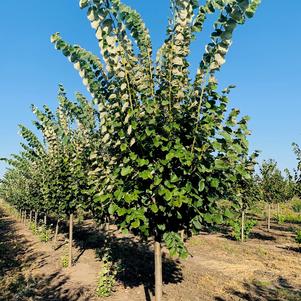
<point>266,267</point>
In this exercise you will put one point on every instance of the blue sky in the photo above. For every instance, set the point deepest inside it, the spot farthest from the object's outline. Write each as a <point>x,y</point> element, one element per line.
<point>264,63</point>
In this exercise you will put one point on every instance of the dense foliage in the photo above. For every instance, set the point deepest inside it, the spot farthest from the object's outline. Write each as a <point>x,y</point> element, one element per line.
<point>155,149</point>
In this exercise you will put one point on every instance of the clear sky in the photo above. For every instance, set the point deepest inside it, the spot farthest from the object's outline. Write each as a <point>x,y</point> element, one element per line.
<point>264,63</point>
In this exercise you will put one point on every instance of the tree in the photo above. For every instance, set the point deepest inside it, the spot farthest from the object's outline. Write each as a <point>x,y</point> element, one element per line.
<point>272,185</point>
<point>67,133</point>
<point>297,170</point>
<point>169,152</point>
<point>246,191</point>
<point>54,176</point>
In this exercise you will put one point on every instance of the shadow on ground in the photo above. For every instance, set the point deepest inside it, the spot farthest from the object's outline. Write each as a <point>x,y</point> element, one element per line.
<point>291,249</point>
<point>17,256</point>
<point>280,290</point>
<point>135,259</point>
<point>261,236</point>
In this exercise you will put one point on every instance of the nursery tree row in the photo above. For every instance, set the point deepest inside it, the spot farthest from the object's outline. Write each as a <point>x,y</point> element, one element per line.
<point>155,149</point>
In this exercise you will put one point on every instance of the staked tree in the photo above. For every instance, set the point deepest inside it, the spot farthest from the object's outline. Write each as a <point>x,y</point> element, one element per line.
<point>168,150</point>
<point>246,190</point>
<point>272,186</point>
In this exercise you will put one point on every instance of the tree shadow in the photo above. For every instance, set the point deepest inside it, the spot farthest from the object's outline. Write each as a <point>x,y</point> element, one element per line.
<point>134,258</point>
<point>17,257</point>
<point>261,236</point>
<point>290,248</point>
<point>279,290</point>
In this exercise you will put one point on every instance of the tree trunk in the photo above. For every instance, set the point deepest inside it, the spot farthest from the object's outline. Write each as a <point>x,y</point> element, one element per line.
<point>158,271</point>
<point>269,217</point>
<point>107,224</point>
<point>182,234</point>
<point>36,219</point>
<point>30,216</point>
<point>243,226</point>
<point>56,231</point>
<point>45,219</point>
<point>70,239</point>
<point>278,211</point>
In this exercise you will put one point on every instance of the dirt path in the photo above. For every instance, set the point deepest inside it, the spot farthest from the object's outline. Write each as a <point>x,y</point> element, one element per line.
<point>267,267</point>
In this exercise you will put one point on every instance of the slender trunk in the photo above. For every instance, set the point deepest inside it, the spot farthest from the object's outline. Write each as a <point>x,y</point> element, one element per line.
<point>45,219</point>
<point>25,212</point>
<point>243,226</point>
<point>278,211</point>
<point>20,214</point>
<point>56,231</point>
<point>30,216</point>
<point>70,239</point>
<point>36,219</point>
<point>182,234</point>
<point>269,217</point>
<point>107,224</point>
<point>158,271</point>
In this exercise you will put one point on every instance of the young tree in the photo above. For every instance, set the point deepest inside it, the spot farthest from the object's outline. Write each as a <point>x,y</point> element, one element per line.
<point>272,185</point>
<point>53,176</point>
<point>66,183</point>
<point>297,171</point>
<point>246,191</point>
<point>169,152</point>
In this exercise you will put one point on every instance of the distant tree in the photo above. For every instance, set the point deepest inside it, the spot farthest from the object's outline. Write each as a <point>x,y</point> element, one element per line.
<point>272,185</point>
<point>245,192</point>
<point>297,170</point>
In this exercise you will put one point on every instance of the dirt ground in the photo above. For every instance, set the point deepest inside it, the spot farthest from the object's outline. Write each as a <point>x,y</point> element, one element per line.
<point>266,267</point>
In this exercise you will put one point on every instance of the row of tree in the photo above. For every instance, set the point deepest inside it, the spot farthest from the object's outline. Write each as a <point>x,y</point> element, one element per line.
<point>155,150</point>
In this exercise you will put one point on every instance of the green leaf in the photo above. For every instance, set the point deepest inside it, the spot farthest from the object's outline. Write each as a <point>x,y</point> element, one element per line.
<point>154,208</point>
<point>201,185</point>
<point>126,171</point>
<point>112,208</point>
<point>214,183</point>
<point>135,224</point>
<point>197,224</point>
<point>167,195</point>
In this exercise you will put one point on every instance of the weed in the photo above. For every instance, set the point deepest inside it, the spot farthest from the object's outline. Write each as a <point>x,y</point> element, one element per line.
<point>107,275</point>
<point>44,233</point>
<point>298,236</point>
<point>281,219</point>
<point>33,228</point>
<point>296,205</point>
<point>263,283</point>
<point>236,228</point>
<point>64,261</point>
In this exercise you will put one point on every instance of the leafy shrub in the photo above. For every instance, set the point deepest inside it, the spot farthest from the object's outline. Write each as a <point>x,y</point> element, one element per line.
<point>281,218</point>
<point>296,206</point>
<point>292,217</point>
<point>236,228</point>
<point>33,228</point>
<point>298,236</point>
<point>44,233</point>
